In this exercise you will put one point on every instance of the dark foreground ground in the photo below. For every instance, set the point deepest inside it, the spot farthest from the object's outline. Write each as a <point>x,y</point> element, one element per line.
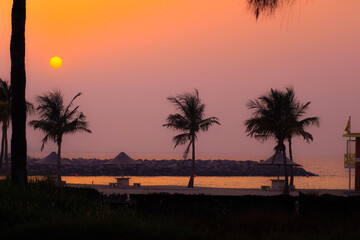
<point>43,211</point>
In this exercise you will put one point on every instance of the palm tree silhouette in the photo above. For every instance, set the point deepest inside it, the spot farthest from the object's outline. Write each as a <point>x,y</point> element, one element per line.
<point>18,83</point>
<point>5,120</point>
<point>266,7</point>
<point>5,116</point>
<point>57,120</point>
<point>271,120</point>
<point>297,110</point>
<point>190,120</point>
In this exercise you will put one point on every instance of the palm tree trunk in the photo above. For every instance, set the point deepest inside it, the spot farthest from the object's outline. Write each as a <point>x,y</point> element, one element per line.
<point>291,167</point>
<point>2,148</point>
<point>18,83</point>
<point>286,185</point>
<point>273,159</point>
<point>58,163</point>
<point>191,181</point>
<point>7,169</point>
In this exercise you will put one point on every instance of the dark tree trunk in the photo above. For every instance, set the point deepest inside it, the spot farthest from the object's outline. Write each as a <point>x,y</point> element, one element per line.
<point>18,82</point>
<point>2,148</point>
<point>292,176</point>
<point>58,163</point>
<point>273,159</point>
<point>286,185</point>
<point>7,169</point>
<point>291,167</point>
<point>191,181</point>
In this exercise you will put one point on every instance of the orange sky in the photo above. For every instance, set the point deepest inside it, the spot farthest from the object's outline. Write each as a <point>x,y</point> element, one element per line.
<point>127,56</point>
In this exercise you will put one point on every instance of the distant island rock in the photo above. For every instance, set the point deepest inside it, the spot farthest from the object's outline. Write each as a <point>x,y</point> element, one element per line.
<point>96,167</point>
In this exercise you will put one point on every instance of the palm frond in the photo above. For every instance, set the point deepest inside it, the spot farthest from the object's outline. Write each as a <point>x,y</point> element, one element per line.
<point>190,118</point>
<point>56,120</point>
<point>181,139</point>
<point>208,122</point>
<point>177,121</point>
<point>77,125</point>
<point>179,105</point>
<point>30,109</point>
<point>50,105</point>
<point>266,7</point>
<point>70,104</point>
<point>44,125</point>
<point>68,114</point>
<point>186,152</point>
<point>311,121</point>
<point>44,141</point>
<point>277,115</point>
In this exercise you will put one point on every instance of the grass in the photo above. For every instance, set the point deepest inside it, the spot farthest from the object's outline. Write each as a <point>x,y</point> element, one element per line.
<point>41,210</point>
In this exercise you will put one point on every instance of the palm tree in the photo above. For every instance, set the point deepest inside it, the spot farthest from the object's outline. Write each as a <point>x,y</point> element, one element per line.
<point>296,111</point>
<point>267,7</point>
<point>57,120</point>
<point>271,120</point>
<point>5,109</point>
<point>5,116</point>
<point>18,83</point>
<point>190,120</point>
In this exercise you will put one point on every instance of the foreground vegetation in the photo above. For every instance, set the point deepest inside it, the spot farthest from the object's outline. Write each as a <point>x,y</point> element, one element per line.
<point>42,210</point>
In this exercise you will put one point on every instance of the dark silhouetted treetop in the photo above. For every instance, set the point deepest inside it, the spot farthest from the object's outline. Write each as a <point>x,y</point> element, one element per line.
<point>190,119</point>
<point>57,120</point>
<point>266,7</point>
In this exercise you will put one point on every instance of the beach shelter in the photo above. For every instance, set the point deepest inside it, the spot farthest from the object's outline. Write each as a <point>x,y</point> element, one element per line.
<point>278,159</point>
<point>121,160</point>
<point>352,156</point>
<point>52,159</point>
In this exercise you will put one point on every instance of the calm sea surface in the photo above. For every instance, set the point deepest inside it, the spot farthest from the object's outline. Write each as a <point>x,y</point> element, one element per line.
<point>331,171</point>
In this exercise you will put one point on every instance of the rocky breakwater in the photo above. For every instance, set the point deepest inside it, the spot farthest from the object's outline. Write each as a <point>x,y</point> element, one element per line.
<point>96,167</point>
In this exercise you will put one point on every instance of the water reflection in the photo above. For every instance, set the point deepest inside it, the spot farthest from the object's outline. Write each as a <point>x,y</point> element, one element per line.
<point>319,182</point>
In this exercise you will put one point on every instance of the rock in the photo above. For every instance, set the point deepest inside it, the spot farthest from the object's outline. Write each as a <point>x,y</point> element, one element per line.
<point>96,167</point>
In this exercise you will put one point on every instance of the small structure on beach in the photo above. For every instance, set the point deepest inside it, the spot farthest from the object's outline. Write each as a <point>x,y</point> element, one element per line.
<point>122,160</point>
<point>352,155</point>
<point>48,165</point>
<point>51,160</point>
<point>278,160</point>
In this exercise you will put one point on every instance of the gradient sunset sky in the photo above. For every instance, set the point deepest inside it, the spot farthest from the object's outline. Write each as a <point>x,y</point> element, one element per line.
<point>127,56</point>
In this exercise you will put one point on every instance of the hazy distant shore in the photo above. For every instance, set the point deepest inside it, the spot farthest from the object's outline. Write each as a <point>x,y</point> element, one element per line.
<point>97,167</point>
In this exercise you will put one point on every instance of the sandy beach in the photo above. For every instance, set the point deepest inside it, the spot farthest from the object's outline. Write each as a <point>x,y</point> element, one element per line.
<point>105,189</point>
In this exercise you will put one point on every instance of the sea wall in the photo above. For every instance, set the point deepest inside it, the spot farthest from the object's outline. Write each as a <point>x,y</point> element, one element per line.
<point>95,167</point>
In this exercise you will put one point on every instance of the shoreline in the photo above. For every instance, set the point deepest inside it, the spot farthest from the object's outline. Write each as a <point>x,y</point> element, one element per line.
<point>171,189</point>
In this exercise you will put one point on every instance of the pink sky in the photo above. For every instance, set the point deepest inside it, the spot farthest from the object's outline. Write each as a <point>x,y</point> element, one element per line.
<point>127,56</point>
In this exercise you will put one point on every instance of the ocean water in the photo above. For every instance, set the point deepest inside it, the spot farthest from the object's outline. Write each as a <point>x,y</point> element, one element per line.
<point>330,170</point>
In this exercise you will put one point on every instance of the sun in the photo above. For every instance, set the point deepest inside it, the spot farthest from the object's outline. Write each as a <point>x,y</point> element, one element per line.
<point>56,62</point>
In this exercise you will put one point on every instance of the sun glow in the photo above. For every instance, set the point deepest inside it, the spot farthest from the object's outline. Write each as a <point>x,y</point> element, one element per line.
<point>55,62</point>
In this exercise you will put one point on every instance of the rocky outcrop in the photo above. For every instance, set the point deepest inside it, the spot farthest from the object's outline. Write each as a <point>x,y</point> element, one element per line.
<point>95,167</point>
